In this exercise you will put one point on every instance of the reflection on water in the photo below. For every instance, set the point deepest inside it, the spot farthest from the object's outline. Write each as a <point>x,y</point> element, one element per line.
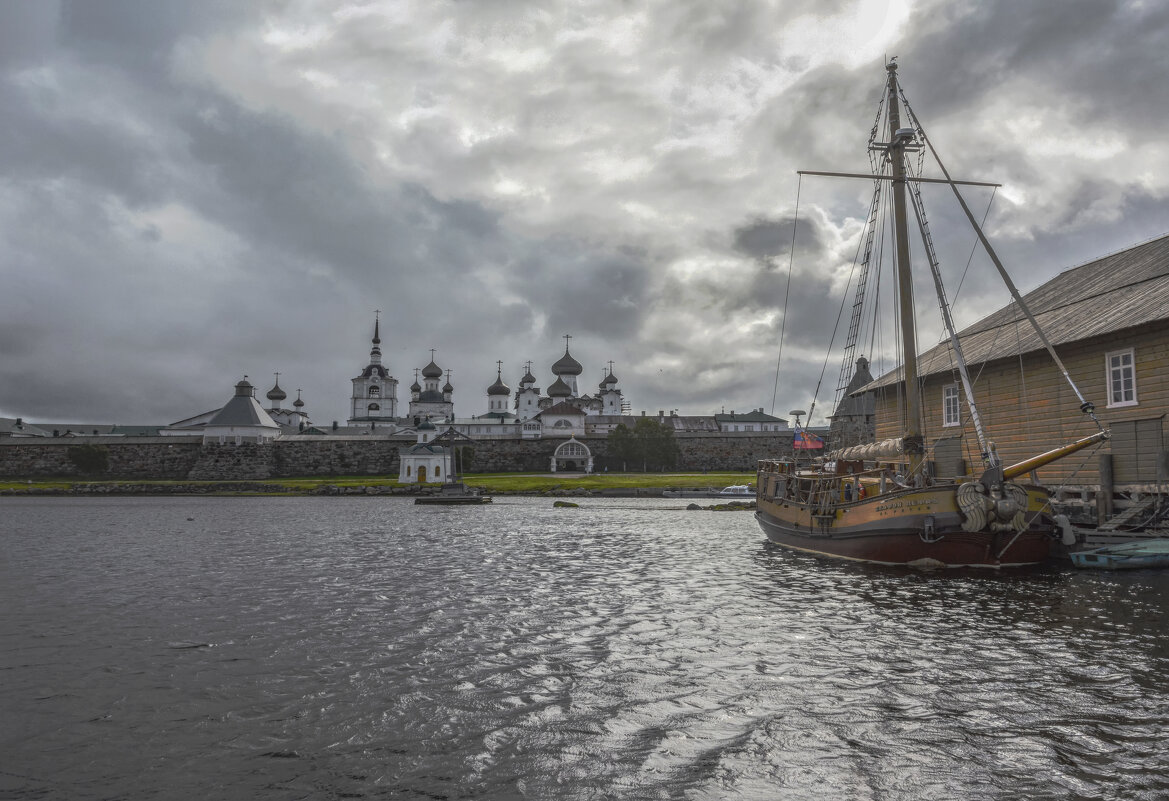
<point>318,647</point>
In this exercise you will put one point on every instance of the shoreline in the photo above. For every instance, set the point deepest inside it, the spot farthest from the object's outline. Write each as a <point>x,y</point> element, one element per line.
<point>533,485</point>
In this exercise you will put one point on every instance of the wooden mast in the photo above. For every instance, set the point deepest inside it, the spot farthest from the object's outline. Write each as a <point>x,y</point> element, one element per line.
<point>913,442</point>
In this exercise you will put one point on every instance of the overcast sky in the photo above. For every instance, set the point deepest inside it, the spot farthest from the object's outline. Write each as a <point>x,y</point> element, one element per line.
<point>191,192</point>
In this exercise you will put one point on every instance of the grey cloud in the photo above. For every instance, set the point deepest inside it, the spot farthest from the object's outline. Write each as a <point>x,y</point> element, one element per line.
<point>767,240</point>
<point>286,230</point>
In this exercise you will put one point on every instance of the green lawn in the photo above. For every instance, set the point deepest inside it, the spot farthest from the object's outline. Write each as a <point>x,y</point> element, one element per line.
<point>491,482</point>
<point>540,482</point>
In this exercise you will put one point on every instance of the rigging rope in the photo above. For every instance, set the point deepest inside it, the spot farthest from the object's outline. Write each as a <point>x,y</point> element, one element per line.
<point>1085,406</point>
<point>787,293</point>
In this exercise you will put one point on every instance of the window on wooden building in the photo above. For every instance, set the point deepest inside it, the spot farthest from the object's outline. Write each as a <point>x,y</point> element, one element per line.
<point>1122,379</point>
<point>951,410</point>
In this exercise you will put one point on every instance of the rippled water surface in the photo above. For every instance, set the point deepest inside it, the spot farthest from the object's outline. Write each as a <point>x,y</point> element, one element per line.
<point>320,648</point>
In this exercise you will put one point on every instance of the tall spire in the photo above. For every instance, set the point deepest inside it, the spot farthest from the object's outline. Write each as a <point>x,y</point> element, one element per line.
<point>375,353</point>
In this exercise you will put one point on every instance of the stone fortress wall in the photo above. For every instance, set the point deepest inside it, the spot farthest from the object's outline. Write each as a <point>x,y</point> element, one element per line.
<point>187,458</point>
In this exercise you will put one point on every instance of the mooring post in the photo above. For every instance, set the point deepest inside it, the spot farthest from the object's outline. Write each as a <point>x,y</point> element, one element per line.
<point>1104,495</point>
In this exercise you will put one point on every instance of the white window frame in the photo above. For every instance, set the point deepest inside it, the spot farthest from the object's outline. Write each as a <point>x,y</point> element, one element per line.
<point>1110,377</point>
<point>951,406</point>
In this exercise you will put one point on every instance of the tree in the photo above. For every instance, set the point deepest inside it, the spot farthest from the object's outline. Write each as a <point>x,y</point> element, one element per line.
<point>649,443</point>
<point>622,446</point>
<point>656,444</point>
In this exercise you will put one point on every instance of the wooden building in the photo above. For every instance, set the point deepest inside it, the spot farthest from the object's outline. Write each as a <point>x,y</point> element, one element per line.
<point>1109,322</point>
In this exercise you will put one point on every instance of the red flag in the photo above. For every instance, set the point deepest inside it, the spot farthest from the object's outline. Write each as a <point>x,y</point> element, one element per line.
<point>805,441</point>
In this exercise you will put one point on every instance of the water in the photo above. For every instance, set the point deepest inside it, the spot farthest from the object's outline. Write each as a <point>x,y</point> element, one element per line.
<point>349,647</point>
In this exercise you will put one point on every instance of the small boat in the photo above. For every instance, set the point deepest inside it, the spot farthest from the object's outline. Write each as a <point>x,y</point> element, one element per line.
<point>733,491</point>
<point>880,502</point>
<point>1128,556</point>
<point>454,493</point>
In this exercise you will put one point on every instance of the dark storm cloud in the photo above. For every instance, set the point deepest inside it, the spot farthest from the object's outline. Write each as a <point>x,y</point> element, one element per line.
<point>768,240</point>
<point>197,190</point>
<point>583,289</point>
<point>1106,55</point>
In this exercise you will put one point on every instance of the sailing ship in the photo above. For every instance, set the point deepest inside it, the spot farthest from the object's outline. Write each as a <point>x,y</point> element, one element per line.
<point>877,502</point>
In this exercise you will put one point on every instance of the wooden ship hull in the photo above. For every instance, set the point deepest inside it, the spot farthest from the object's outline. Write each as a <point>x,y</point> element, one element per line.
<point>912,527</point>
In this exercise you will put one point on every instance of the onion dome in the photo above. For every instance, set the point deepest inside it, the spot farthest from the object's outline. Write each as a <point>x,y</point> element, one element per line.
<point>243,389</point>
<point>276,393</point>
<point>432,370</point>
<point>567,365</point>
<point>609,379</point>
<point>298,403</point>
<point>528,377</point>
<point>426,425</point>
<point>559,389</point>
<point>499,388</point>
<point>447,387</point>
<point>415,387</point>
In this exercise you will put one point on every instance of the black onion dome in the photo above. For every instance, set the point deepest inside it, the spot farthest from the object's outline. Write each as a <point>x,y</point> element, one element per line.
<point>567,365</point>
<point>609,379</point>
<point>432,370</point>
<point>298,403</point>
<point>426,425</point>
<point>528,378</point>
<point>276,393</point>
<point>447,387</point>
<point>415,387</point>
<point>559,389</point>
<point>499,388</point>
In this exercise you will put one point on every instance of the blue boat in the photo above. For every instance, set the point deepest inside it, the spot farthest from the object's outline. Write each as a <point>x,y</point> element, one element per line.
<point>1128,556</point>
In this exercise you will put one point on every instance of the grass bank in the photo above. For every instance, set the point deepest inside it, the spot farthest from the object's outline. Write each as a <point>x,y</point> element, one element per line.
<point>533,483</point>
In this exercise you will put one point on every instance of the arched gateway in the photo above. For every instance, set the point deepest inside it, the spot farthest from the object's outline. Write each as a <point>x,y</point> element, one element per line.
<point>572,455</point>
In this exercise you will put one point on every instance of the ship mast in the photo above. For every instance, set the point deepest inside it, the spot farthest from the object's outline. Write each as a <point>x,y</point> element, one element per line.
<point>913,443</point>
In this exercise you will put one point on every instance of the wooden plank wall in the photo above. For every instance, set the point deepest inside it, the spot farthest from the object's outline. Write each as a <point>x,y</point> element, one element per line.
<point>1029,411</point>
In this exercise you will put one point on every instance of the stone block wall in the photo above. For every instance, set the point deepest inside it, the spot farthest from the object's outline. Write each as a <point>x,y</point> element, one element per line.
<point>138,458</point>
<point>732,450</point>
<point>329,456</point>
<point>179,458</point>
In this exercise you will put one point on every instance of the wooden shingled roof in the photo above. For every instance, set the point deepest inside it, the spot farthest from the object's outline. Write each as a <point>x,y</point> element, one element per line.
<point>1118,291</point>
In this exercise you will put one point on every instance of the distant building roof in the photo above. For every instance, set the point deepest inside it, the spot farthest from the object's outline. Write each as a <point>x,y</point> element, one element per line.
<point>424,448</point>
<point>860,405</point>
<point>135,431</point>
<point>16,427</point>
<point>1119,291</point>
<point>753,416</point>
<point>562,408</point>
<point>370,369</point>
<point>243,410</point>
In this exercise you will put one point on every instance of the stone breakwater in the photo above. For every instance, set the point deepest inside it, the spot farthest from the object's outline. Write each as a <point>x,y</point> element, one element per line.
<point>189,459</point>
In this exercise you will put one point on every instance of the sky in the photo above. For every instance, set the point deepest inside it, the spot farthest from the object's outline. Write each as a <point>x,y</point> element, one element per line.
<point>195,192</point>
